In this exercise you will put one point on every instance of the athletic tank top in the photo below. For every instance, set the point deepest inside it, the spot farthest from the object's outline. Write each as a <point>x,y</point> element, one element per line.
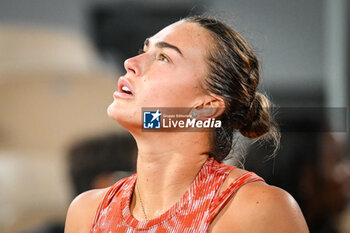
<point>192,213</point>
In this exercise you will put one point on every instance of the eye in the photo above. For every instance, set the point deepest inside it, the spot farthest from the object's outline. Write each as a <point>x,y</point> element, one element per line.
<point>140,51</point>
<point>162,57</point>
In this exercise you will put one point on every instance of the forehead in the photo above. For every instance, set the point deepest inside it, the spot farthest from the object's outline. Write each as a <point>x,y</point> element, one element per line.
<point>189,37</point>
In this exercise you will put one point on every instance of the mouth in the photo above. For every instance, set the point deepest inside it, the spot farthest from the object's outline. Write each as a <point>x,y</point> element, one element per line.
<point>124,86</point>
<point>125,89</point>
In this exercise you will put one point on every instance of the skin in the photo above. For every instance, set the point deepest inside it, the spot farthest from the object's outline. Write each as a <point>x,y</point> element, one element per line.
<point>162,77</point>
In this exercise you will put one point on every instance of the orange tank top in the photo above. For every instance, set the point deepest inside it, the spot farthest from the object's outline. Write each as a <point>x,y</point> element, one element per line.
<point>192,213</point>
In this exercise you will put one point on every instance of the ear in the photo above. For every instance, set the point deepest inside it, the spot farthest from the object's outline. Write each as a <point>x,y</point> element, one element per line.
<point>212,107</point>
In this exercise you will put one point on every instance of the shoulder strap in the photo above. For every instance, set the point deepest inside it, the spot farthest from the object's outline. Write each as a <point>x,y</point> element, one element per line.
<point>108,198</point>
<point>221,200</point>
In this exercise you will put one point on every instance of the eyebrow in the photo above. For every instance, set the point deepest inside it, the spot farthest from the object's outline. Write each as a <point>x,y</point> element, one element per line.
<point>163,44</point>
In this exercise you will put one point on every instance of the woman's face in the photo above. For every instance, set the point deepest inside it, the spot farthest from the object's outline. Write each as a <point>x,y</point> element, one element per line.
<point>167,73</point>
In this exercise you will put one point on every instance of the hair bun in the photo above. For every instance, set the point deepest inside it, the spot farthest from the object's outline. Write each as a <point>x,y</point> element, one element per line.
<point>258,121</point>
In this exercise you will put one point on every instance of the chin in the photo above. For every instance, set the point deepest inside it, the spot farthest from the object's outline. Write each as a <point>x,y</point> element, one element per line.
<point>114,112</point>
<point>123,117</point>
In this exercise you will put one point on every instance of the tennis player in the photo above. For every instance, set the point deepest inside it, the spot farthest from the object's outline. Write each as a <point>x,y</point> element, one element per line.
<point>181,184</point>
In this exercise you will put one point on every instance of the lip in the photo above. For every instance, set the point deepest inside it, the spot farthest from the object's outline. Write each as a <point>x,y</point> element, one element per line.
<point>123,82</point>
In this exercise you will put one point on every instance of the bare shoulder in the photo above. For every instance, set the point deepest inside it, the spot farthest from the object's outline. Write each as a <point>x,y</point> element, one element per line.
<point>258,207</point>
<point>82,211</point>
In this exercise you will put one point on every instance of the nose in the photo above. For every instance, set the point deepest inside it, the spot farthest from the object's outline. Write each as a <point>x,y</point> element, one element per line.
<point>132,66</point>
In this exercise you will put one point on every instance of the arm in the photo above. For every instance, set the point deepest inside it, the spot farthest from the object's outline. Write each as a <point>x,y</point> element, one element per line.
<point>82,210</point>
<point>258,207</point>
<point>274,210</point>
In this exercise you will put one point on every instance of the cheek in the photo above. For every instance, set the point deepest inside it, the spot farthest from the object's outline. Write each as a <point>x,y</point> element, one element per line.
<point>170,87</point>
<point>160,96</point>
<point>170,94</point>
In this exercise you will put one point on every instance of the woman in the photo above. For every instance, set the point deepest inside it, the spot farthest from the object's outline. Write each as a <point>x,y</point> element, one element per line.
<point>181,186</point>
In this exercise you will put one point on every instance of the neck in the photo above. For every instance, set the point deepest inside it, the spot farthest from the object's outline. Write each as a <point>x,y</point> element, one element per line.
<point>167,165</point>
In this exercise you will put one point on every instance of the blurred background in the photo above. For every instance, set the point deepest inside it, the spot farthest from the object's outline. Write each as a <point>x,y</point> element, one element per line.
<point>59,64</point>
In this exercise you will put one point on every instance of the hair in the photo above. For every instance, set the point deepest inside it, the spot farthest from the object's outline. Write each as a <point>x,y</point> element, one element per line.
<point>234,76</point>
